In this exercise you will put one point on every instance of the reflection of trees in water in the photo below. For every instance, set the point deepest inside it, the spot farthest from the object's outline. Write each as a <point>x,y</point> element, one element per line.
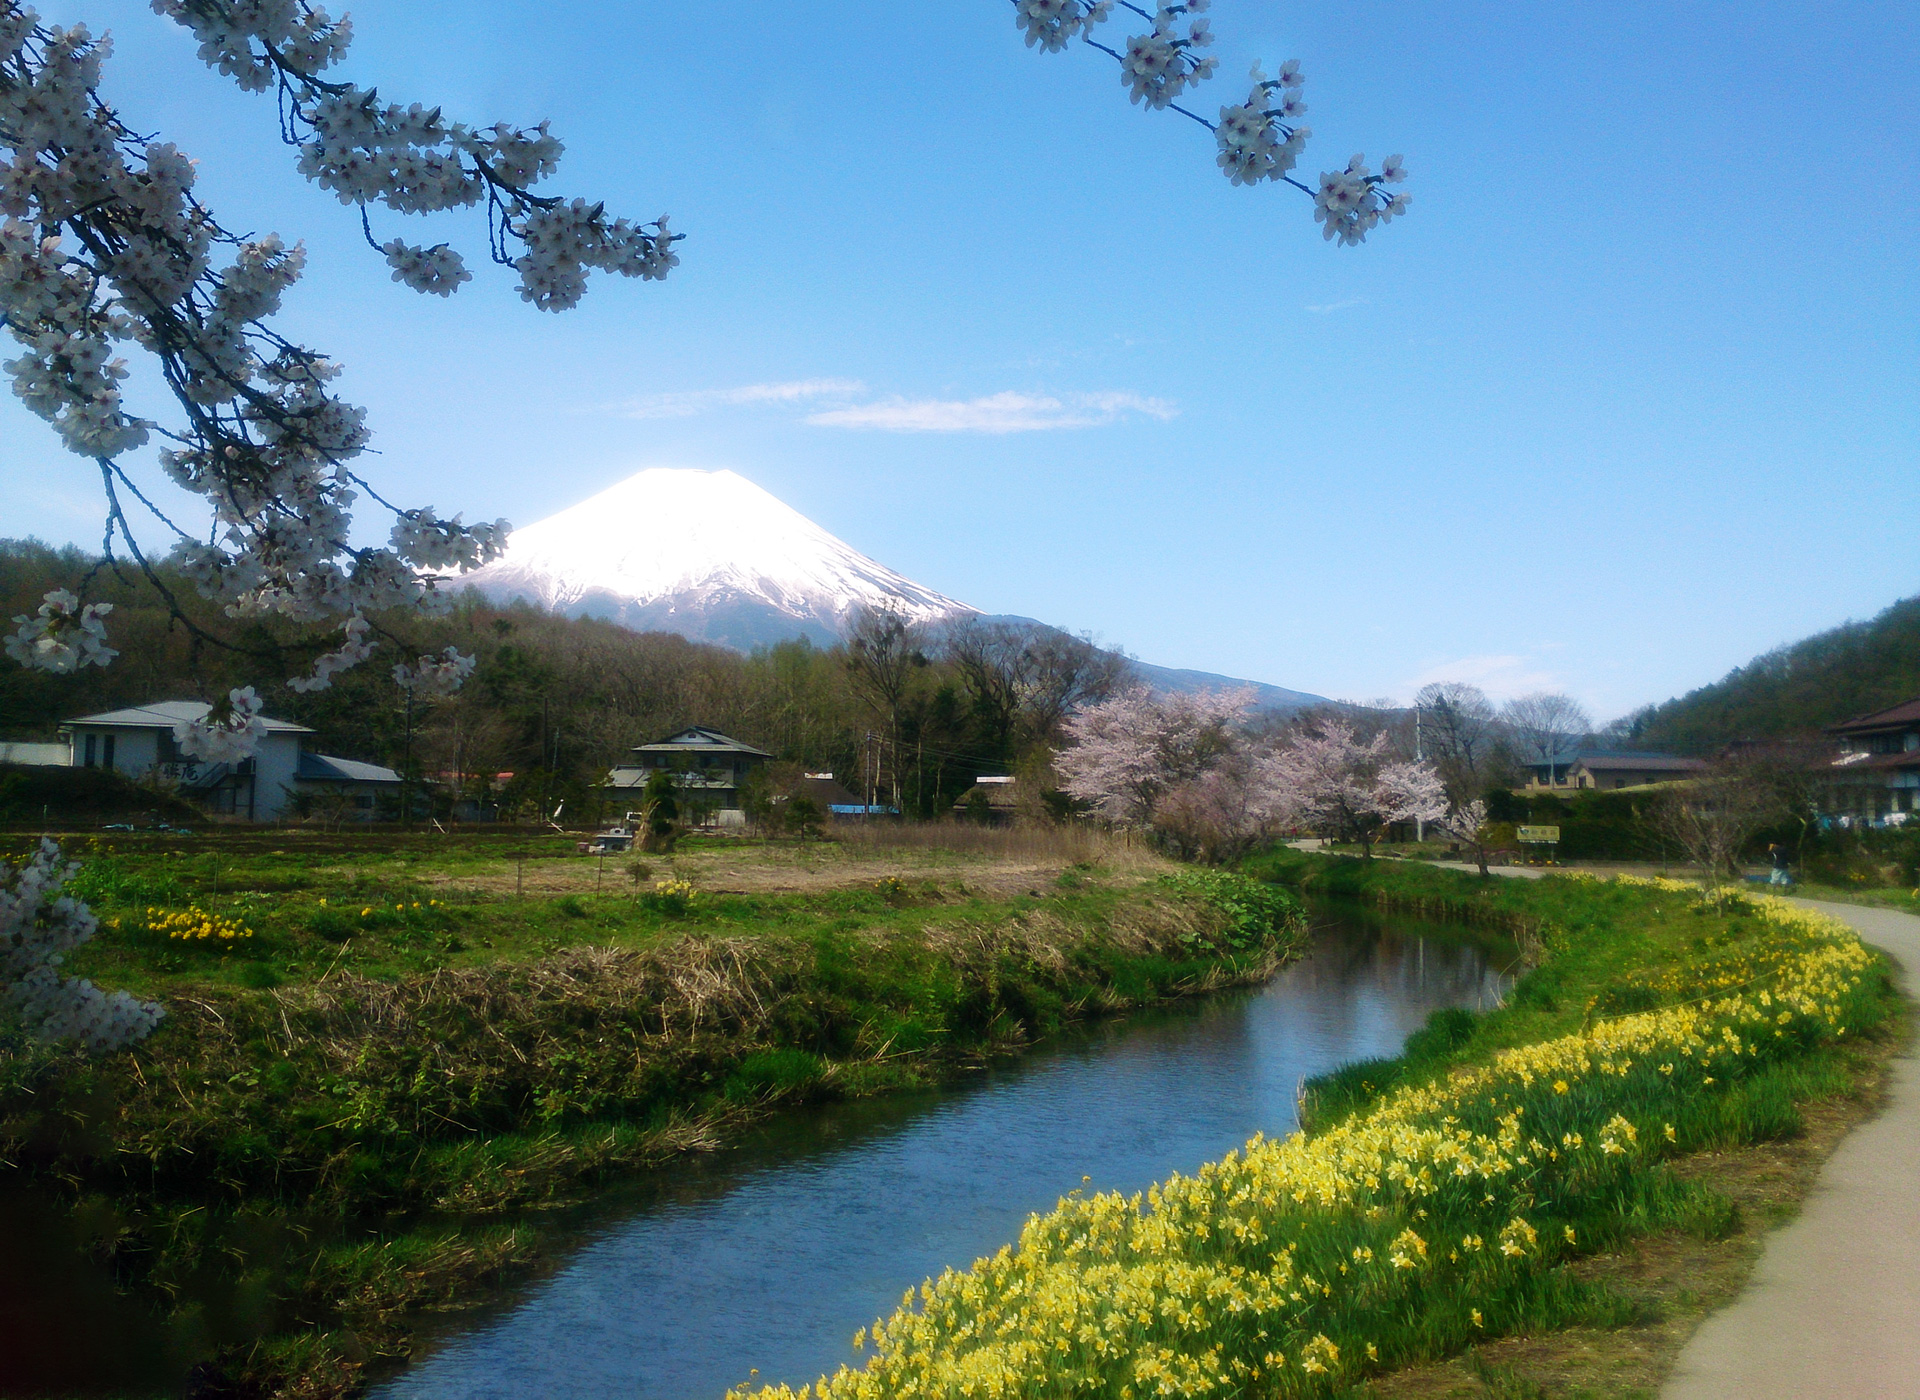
<point>1350,952</point>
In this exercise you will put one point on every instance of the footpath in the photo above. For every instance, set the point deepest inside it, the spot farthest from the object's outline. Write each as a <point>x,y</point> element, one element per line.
<point>1832,1311</point>
<point>1833,1308</point>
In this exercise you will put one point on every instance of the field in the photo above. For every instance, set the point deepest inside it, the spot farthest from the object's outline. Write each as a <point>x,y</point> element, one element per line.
<point>386,1058</point>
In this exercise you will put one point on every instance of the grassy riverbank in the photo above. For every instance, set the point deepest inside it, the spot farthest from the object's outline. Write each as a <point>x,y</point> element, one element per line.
<point>1441,1198</point>
<point>384,1060</point>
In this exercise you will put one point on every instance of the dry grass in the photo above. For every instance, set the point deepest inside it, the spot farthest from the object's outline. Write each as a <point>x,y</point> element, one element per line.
<point>993,862</point>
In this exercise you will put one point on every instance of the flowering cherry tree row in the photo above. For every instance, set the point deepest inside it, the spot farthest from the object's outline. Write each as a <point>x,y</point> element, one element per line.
<point>1259,139</point>
<point>1189,768</point>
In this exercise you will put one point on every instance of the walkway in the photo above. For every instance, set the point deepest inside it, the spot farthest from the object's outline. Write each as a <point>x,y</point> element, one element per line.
<point>1833,1308</point>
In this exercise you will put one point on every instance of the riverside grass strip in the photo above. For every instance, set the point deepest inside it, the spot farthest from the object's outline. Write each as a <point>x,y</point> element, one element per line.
<point>386,1118</point>
<point>1430,1215</point>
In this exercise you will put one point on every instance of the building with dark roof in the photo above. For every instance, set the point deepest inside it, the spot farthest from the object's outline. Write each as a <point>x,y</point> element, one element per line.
<point>1582,769</point>
<point>708,769</point>
<point>1875,777</point>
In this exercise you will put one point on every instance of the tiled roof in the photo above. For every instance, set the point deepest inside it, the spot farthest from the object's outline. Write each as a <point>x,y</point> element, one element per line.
<point>1907,713</point>
<point>698,738</point>
<point>164,714</point>
<point>1639,763</point>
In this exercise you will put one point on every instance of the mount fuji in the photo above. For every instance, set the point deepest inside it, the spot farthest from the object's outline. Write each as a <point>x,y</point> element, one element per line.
<point>715,558</point>
<point>706,554</point>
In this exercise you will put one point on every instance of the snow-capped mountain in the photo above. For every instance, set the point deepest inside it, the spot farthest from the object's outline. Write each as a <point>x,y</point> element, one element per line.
<point>706,554</point>
<point>711,556</point>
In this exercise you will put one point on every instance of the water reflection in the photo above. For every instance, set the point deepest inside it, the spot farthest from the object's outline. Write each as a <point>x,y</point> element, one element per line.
<point>771,1255</point>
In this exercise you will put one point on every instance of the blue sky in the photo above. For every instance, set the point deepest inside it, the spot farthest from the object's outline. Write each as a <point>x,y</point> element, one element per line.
<point>1629,396</point>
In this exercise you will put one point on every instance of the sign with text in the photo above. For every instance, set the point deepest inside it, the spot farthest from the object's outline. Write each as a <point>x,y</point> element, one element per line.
<point>1540,835</point>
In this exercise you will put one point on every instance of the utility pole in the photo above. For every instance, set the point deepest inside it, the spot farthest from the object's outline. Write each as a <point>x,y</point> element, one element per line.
<point>1419,823</point>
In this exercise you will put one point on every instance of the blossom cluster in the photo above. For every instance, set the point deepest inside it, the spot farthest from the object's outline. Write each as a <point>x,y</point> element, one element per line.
<point>62,636</point>
<point>1258,139</point>
<point>431,675</point>
<point>1261,138</point>
<point>1160,65</point>
<point>357,647</point>
<point>411,160</point>
<point>1289,1268</point>
<point>228,732</point>
<point>103,244</point>
<point>1350,202</point>
<point>39,926</point>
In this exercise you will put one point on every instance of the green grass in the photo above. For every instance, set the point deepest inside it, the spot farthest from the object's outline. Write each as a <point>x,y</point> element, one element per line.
<point>375,1098</point>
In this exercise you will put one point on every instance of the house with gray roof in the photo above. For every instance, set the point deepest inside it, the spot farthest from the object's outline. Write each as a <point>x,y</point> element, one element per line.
<point>138,742</point>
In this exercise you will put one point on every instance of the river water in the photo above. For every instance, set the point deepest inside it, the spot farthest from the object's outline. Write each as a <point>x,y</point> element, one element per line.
<point>760,1262</point>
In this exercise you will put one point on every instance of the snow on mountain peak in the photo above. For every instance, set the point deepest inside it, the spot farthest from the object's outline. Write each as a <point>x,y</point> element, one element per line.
<point>707,554</point>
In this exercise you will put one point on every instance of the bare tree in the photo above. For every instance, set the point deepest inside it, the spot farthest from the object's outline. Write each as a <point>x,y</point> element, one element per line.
<point>883,656</point>
<point>1544,725</point>
<point>1024,679</point>
<point>1713,818</point>
<point>1456,734</point>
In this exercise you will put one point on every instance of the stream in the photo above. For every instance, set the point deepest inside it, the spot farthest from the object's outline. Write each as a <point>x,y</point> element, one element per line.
<point>770,1255</point>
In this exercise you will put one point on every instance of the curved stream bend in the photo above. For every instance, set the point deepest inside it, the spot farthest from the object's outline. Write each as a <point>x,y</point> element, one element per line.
<point>771,1255</point>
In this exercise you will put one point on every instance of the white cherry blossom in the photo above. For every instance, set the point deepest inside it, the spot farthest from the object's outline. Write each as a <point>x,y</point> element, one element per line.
<point>62,636</point>
<point>229,732</point>
<point>38,928</point>
<point>1259,139</point>
<point>441,675</point>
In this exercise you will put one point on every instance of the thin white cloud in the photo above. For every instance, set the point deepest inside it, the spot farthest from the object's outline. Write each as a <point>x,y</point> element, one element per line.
<point>697,401</point>
<point>1338,305</point>
<point>1502,677</point>
<point>1007,412</point>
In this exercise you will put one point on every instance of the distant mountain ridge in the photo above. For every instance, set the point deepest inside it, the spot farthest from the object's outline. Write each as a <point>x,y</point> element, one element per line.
<point>714,558</point>
<point>1798,689</point>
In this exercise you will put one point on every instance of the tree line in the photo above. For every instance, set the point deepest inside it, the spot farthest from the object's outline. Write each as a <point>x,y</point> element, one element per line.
<point>910,715</point>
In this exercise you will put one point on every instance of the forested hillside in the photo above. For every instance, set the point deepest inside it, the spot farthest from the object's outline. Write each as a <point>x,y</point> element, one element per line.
<point>1799,689</point>
<point>556,701</point>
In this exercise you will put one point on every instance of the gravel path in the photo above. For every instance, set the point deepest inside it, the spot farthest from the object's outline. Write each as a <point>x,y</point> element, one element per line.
<point>1833,1308</point>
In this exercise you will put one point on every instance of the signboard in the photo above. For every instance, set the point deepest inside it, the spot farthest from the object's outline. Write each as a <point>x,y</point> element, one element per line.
<point>1540,835</point>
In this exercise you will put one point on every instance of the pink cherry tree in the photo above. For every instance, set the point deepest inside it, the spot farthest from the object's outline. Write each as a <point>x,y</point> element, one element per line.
<point>1341,786</point>
<point>1126,754</point>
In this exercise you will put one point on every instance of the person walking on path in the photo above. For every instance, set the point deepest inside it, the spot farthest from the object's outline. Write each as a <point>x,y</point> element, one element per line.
<point>1833,1308</point>
<point>1777,853</point>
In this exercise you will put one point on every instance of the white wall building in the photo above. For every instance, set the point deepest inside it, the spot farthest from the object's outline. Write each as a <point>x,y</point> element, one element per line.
<point>138,742</point>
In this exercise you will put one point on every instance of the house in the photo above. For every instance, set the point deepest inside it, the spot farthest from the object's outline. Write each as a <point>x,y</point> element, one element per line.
<point>139,743</point>
<point>991,801</point>
<point>1875,777</point>
<point>708,769</point>
<point>1604,771</point>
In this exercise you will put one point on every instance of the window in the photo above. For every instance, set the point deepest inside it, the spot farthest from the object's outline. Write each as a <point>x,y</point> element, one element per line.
<point>107,749</point>
<point>87,762</point>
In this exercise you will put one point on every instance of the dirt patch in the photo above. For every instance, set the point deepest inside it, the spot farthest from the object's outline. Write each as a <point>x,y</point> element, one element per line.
<point>1676,1279</point>
<point>814,867</point>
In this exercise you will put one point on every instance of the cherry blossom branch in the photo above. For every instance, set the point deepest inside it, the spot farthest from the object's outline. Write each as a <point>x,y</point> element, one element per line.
<point>1258,139</point>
